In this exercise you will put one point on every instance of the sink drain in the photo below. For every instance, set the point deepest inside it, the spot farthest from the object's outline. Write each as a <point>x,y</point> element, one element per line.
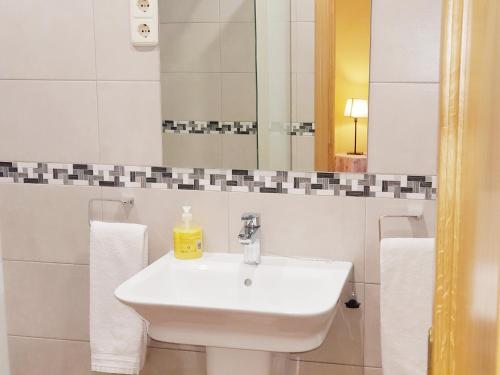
<point>248,282</point>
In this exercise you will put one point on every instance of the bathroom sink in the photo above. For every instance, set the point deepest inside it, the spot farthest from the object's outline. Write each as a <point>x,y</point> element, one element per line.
<point>281,305</point>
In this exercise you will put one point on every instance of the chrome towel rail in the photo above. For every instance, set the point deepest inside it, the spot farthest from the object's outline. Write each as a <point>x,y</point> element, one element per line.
<point>416,217</point>
<point>126,203</point>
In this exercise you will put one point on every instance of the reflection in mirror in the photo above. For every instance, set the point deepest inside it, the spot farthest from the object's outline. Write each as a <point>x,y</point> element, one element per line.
<point>274,85</point>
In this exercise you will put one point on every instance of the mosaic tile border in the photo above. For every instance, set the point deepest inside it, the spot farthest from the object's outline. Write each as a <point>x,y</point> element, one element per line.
<point>294,128</point>
<point>210,127</point>
<point>234,127</point>
<point>303,128</point>
<point>277,182</point>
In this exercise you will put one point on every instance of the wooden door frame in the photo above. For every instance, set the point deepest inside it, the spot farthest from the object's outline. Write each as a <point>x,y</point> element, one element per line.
<point>324,103</point>
<point>465,336</point>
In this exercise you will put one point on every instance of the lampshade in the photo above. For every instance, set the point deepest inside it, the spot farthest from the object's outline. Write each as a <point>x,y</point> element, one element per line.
<point>356,108</point>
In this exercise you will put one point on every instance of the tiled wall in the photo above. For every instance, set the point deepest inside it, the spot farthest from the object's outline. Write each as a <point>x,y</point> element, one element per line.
<point>404,78</point>
<point>46,265</point>
<point>302,28</point>
<point>73,88</point>
<point>4,356</point>
<point>86,95</point>
<point>208,74</point>
<point>404,86</point>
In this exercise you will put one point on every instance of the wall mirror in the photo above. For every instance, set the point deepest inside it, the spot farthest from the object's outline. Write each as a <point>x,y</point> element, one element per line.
<point>259,84</point>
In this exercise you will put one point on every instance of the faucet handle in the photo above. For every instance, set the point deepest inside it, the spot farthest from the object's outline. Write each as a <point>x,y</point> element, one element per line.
<point>251,219</point>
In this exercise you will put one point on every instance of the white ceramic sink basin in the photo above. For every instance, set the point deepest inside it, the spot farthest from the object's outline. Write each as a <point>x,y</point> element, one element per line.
<point>281,305</point>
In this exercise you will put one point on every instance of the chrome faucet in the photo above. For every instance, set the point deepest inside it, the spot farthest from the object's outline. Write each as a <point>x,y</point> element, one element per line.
<point>249,237</point>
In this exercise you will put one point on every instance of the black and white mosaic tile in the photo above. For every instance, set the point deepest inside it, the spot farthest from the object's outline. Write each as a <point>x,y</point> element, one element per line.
<point>210,127</point>
<point>277,182</point>
<point>235,127</point>
<point>302,128</point>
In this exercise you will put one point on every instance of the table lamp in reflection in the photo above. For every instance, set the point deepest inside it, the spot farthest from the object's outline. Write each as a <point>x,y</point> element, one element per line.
<point>356,109</point>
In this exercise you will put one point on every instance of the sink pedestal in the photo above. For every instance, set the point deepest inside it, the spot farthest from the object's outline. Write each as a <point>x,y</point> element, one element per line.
<point>242,362</point>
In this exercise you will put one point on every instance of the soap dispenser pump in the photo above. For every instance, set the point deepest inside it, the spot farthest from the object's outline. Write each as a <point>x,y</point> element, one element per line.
<point>188,237</point>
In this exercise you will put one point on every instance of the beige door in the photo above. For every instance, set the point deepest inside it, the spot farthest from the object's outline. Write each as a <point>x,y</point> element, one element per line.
<point>466,315</point>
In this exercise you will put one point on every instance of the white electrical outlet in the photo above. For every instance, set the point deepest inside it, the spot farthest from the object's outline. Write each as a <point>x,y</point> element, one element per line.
<point>144,22</point>
<point>144,32</point>
<point>144,8</point>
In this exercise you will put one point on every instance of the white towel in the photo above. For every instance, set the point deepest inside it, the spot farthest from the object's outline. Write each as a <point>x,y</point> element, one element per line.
<point>117,334</point>
<point>406,295</point>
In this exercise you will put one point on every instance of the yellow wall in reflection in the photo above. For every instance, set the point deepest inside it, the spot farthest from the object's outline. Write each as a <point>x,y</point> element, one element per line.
<point>352,69</point>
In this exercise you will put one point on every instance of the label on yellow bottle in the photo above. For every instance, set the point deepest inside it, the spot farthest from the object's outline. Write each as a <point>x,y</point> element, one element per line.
<point>188,244</point>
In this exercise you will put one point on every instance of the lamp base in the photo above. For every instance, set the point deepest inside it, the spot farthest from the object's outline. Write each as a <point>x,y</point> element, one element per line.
<point>355,153</point>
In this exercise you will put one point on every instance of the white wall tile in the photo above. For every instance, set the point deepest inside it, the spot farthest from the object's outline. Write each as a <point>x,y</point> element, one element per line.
<point>168,345</point>
<point>190,47</point>
<point>293,96</point>
<point>372,326</point>
<point>239,96</point>
<point>4,347</point>
<point>303,10</point>
<point>305,97</point>
<point>47,300</point>
<point>164,361</point>
<point>403,128</point>
<point>35,356</point>
<point>303,153</point>
<point>325,227</point>
<point>188,150</point>
<point>303,47</point>
<point>191,96</point>
<point>405,40</point>
<point>237,10</point>
<point>311,368</point>
<point>49,120</point>
<point>373,371</point>
<point>47,39</point>
<point>116,57</point>
<point>239,151</point>
<point>238,47</point>
<point>376,207</point>
<point>58,232</point>
<point>161,210</point>
<point>188,11</point>
<point>130,123</point>
<point>344,342</point>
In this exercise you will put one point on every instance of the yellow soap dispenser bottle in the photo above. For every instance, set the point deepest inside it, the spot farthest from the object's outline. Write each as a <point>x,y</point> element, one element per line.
<point>188,238</point>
